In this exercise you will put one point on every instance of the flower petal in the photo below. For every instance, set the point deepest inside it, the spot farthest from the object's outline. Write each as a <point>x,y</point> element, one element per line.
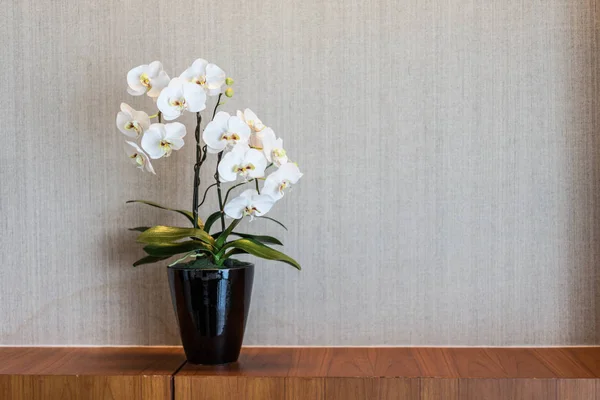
<point>263,204</point>
<point>133,80</point>
<point>154,68</point>
<point>174,130</point>
<point>225,168</point>
<point>195,97</point>
<point>236,125</point>
<point>271,188</point>
<point>214,131</point>
<point>215,79</point>
<point>122,120</point>
<point>235,207</point>
<point>126,108</point>
<point>290,172</point>
<point>158,84</point>
<point>257,159</point>
<point>151,140</point>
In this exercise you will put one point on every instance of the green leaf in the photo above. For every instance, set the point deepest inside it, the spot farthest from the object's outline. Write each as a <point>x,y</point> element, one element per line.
<point>148,260</point>
<point>223,236</point>
<point>170,249</point>
<point>162,234</point>
<point>260,250</point>
<point>140,228</point>
<point>188,214</point>
<point>274,220</point>
<point>259,238</point>
<point>212,218</point>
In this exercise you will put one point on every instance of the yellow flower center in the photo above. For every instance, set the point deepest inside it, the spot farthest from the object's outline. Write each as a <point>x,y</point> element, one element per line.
<point>256,126</point>
<point>250,210</point>
<point>199,80</point>
<point>145,80</point>
<point>278,153</point>
<point>139,160</point>
<point>230,137</point>
<point>165,146</point>
<point>243,169</point>
<point>283,185</point>
<point>178,103</point>
<point>134,125</point>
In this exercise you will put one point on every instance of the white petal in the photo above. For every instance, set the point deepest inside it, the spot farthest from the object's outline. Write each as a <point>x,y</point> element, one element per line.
<point>174,130</point>
<point>199,66</point>
<point>290,172</point>
<point>267,141</point>
<point>142,118</point>
<point>236,125</point>
<point>131,148</point>
<point>126,108</point>
<point>122,120</point>
<point>158,84</point>
<point>249,193</point>
<point>263,204</point>
<point>176,143</point>
<point>235,208</point>
<point>149,166</point>
<point>225,168</point>
<point>138,92</point>
<point>214,131</point>
<point>154,68</point>
<point>164,105</point>
<point>257,159</point>
<point>195,97</point>
<point>133,80</point>
<point>215,79</point>
<point>151,140</point>
<point>271,188</point>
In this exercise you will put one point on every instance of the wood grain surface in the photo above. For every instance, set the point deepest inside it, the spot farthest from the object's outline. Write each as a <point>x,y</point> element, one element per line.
<point>88,373</point>
<point>303,374</point>
<point>398,373</point>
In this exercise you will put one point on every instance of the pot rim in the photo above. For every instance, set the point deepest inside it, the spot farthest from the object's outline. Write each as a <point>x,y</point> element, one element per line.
<point>246,264</point>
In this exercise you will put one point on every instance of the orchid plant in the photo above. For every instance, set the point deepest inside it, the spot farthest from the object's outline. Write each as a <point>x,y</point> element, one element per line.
<point>248,154</point>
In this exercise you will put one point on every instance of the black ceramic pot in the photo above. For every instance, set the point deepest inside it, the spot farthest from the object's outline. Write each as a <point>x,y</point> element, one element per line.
<point>211,306</point>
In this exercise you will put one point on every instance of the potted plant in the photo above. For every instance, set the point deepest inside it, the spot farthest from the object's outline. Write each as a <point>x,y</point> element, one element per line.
<point>210,289</point>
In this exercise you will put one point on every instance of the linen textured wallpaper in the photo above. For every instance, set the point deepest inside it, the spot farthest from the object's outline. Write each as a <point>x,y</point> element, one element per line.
<point>450,151</point>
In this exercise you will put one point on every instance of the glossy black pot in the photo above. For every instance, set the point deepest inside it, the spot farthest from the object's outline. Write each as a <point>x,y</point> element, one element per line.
<point>211,306</point>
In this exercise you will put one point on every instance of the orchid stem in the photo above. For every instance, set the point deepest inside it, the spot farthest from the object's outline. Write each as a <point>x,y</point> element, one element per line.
<point>199,161</point>
<point>159,115</point>
<point>155,115</point>
<point>205,193</point>
<point>221,202</point>
<point>233,187</point>
<point>257,189</point>
<point>219,194</point>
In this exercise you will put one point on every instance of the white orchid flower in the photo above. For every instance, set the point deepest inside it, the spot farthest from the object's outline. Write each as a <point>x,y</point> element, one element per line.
<point>150,79</point>
<point>180,96</point>
<point>244,161</point>
<point>138,157</point>
<point>272,147</point>
<point>250,118</point>
<point>132,123</point>
<point>161,139</point>
<point>223,131</point>
<point>283,178</point>
<point>249,203</point>
<point>208,76</point>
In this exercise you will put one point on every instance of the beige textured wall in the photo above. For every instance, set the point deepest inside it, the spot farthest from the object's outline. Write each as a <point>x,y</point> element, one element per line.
<point>450,151</point>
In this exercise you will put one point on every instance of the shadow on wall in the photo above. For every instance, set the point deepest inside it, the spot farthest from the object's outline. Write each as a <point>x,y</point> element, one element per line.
<point>582,147</point>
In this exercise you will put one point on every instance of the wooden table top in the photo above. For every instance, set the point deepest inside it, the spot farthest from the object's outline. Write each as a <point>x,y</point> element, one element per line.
<point>575,362</point>
<point>90,360</point>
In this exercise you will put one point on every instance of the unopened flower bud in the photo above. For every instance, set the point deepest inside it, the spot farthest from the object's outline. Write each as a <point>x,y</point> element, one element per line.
<point>228,81</point>
<point>229,92</point>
